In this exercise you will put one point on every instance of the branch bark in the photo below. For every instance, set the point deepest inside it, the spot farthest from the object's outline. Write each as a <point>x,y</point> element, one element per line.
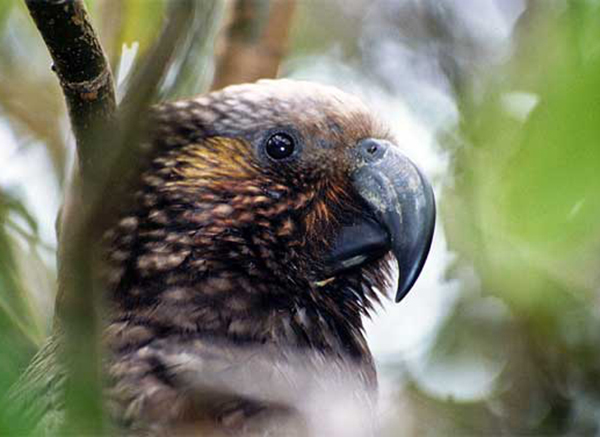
<point>81,67</point>
<point>107,174</point>
<point>254,42</point>
<point>97,201</point>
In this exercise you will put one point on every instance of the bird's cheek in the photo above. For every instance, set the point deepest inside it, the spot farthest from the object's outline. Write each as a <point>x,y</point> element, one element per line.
<point>317,219</point>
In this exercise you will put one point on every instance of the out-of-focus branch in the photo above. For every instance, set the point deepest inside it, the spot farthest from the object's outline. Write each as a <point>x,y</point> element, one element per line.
<point>111,15</point>
<point>94,206</point>
<point>107,175</point>
<point>82,69</point>
<point>193,74</point>
<point>254,41</point>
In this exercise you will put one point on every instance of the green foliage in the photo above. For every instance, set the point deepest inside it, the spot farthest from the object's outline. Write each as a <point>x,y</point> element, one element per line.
<point>127,22</point>
<point>526,183</point>
<point>523,210</point>
<point>21,332</point>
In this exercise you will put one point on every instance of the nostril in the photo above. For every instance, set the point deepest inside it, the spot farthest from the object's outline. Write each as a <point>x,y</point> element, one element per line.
<point>372,149</point>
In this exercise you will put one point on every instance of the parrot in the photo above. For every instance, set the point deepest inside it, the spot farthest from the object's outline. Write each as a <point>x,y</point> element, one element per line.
<point>265,227</point>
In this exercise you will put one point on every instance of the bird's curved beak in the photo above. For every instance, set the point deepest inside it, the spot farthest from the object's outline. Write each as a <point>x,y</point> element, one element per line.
<point>400,219</point>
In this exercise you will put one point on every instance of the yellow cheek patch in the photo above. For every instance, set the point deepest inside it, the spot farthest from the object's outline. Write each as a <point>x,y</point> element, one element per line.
<point>214,158</point>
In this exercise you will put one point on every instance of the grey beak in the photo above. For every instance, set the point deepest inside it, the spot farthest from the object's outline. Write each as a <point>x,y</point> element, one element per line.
<point>402,208</point>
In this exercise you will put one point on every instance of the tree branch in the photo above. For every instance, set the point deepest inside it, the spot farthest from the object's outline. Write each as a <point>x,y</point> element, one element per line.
<point>254,42</point>
<point>107,175</point>
<point>81,67</point>
<point>96,202</point>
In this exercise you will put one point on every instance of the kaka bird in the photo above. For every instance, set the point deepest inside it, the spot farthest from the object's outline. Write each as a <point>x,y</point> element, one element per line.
<point>265,227</point>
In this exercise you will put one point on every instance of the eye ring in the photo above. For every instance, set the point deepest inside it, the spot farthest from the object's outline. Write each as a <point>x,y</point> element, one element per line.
<point>280,146</point>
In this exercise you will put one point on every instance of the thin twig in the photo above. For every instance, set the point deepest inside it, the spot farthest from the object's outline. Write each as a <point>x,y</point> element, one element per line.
<point>81,67</point>
<point>254,42</point>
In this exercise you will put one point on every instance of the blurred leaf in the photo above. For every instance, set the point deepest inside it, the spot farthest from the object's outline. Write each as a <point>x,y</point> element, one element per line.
<point>21,330</point>
<point>523,212</point>
<point>15,302</point>
<point>5,8</point>
<point>190,73</point>
<point>142,22</point>
<point>529,178</point>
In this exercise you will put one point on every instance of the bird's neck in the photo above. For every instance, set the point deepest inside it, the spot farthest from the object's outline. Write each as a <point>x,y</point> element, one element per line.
<point>242,296</point>
<point>222,308</point>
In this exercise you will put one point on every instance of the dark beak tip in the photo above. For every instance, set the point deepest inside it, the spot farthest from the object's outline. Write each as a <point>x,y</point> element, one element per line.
<point>404,286</point>
<point>411,264</point>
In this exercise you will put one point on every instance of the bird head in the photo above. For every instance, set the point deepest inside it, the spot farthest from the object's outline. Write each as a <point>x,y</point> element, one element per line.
<point>274,194</point>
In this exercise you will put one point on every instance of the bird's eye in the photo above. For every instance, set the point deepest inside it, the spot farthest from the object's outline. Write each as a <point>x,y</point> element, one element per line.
<point>280,146</point>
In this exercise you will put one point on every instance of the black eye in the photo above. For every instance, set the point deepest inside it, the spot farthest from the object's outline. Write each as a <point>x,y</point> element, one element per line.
<point>280,146</point>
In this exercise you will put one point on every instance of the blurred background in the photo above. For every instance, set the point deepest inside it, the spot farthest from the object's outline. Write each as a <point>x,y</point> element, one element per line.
<point>497,100</point>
